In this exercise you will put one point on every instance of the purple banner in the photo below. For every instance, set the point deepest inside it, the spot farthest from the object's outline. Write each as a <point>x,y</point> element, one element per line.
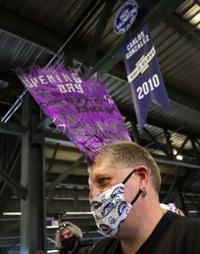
<point>144,74</point>
<point>82,110</point>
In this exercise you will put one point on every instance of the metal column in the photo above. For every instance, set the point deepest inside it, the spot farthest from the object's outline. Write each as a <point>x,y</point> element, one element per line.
<point>33,218</point>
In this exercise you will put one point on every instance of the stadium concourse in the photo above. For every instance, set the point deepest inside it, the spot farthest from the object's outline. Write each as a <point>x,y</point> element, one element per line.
<point>43,175</point>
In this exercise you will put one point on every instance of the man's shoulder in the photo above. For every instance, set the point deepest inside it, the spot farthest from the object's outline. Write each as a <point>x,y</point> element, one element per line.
<point>184,227</point>
<point>189,222</point>
<point>188,232</point>
<point>193,224</point>
<point>105,246</point>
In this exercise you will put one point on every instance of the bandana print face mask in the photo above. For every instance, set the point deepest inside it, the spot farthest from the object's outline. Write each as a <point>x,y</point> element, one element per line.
<point>110,208</point>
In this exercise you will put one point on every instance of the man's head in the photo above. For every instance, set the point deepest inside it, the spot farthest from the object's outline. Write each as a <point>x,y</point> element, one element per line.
<point>113,164</point>
<point>127,156</point>
<point>67,235</point>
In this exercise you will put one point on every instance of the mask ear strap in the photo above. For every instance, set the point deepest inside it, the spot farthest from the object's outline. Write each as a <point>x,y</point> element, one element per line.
<point>128,176</point>
<point>136,197</point>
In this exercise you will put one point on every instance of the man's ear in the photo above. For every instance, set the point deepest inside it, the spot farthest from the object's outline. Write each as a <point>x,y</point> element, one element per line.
<point>142,173</point>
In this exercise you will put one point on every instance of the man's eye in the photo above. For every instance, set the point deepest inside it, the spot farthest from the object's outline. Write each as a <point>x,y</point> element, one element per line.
<point>103,180</point>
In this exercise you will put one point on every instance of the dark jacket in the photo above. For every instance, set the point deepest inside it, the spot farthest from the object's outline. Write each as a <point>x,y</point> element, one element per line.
<point>174,234</point>
<point>82,248</point>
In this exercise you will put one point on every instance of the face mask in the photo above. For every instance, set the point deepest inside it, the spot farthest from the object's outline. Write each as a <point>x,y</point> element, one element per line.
<point>69,243</point>
<point>110,208</point>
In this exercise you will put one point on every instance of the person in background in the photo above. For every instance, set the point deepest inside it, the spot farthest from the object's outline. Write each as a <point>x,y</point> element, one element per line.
<point>124,184</point>
<point>68,240</point>
<point>172,207</point>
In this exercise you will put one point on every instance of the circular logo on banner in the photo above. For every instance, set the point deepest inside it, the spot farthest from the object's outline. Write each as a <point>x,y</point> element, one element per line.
<point>125,16</point>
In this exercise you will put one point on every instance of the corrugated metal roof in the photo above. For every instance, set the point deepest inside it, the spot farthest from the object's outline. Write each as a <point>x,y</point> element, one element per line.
<point>60,15</point>
<point>179,58</point>
<point>15,52</point>
<point>190,11</point>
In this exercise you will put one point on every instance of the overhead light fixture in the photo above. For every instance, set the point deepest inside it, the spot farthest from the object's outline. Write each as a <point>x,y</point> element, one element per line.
<point>78,213</point>
<point>193,211</point>
<point>174,151</point>
<point>12,213</point>
<point>179,157</point>
<point>51,227</point>
<point>52,251</point>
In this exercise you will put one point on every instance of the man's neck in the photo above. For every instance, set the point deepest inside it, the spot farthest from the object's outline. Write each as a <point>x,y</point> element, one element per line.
<point>134,241</point>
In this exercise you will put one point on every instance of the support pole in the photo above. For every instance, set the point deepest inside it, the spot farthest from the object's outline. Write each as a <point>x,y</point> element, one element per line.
<point>33,226</point>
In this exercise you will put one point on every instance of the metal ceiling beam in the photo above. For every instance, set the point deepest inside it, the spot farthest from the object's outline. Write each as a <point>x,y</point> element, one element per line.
<point>17,188</point>
<point>21,27</point>
<point>159,145</point>
<point>55,207</point>
<point>171,161</point>
<point>12,171</point>
<point>47,40</point>
<point>163,125</point>
<point>13,129</point>
<point>184,207</point>
<point>9,78</point>
<point>56,137</point>
<point>45,123</point>
<point>143,142</point>
<point>161,159</point>
<point>96,38</point>
<point>171,187</point>
<point>151,145</point>
<point>61,177</point>
<point>188,179</point>
<point>158,14</point>
<point>184,28</point>
<point>62,206</point>
<point>168,140</point>
<point>11,227</point>
<point>61,162</point>
<point>180,149</point>
<point>53,158</point>
<point>183,98</point>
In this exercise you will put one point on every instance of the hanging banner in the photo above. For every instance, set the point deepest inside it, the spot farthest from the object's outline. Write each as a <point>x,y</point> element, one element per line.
<point>125,16</point>
<point>82,110</point>
<point>144,74</point>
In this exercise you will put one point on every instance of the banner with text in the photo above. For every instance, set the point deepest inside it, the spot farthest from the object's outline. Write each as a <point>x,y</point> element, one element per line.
<point>144,75</point>
<point>83,110</point>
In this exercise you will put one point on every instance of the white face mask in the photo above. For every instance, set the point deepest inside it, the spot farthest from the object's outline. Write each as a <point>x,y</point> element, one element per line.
<point>110,208</point>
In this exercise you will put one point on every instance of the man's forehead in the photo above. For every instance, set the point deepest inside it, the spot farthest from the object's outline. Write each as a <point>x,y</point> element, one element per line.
<point>105,168</point>
<point>100,165</point>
